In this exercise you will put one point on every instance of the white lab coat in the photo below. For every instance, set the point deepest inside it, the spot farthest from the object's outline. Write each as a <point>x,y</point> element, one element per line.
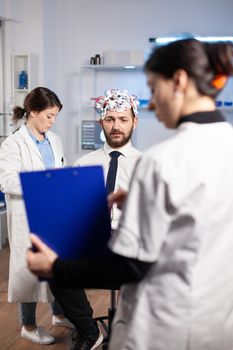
<point>179,215</point>
<point>19,153</point>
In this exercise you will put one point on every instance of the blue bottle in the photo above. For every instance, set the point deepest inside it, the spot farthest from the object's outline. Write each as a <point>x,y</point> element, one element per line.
<point>23,80</point>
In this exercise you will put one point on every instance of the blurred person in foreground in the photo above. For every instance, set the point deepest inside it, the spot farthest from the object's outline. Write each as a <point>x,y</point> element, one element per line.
<point>173,249</point>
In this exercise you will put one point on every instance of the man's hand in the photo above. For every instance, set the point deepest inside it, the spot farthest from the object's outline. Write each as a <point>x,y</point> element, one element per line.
<point>41,262</point>
<point>117,198</point>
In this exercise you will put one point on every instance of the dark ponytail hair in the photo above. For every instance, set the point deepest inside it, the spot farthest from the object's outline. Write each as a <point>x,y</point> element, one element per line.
<point>18,113</point>
<point>201,61</point>
<point>37,100</point>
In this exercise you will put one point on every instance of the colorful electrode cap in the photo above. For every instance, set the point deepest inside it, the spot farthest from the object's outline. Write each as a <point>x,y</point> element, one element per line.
<point>116,100</point>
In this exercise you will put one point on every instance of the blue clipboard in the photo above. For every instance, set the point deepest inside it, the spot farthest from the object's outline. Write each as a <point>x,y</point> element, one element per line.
<point>67,209</point>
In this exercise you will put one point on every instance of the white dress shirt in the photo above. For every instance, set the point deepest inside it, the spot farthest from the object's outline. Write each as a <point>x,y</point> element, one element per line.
<point>126,164</point>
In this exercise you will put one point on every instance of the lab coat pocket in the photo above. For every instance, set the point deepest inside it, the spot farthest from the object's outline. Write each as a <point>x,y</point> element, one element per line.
<point>17,223</point>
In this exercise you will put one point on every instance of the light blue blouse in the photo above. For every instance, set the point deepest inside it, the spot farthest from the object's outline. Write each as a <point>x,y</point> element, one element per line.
<point>45,151</point>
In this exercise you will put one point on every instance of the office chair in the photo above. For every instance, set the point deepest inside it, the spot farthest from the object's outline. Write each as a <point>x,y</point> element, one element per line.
<point>106,321</point>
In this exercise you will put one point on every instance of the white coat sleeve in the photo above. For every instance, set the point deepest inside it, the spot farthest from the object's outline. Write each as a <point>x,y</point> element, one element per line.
<point>145,220</point>
<point>76,163</point>
<point>10,166</point>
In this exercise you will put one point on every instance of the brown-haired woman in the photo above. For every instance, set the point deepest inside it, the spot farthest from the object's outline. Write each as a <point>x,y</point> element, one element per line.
<point>31,147</point>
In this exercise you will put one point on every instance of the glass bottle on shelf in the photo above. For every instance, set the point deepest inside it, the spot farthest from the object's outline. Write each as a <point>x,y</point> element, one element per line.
<point>23,80</point>
<point>152,43</point>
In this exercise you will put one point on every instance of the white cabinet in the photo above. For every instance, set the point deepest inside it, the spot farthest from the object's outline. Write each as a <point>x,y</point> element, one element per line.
<point>27,63</point>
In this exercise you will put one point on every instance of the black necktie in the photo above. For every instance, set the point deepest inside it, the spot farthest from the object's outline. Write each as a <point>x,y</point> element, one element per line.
<point>112,171</point>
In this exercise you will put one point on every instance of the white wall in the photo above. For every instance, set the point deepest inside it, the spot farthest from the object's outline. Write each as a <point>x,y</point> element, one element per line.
<point>23,34</point>
<point>10,10</point>
<point>27,34</point>
<point>65,33</point>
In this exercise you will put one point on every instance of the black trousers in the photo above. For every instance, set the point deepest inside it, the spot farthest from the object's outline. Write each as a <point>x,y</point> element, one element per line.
<point>76,308</point>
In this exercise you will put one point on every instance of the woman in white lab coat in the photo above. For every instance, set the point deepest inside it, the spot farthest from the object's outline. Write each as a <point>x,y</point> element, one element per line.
<point>173,251</point>
<point>31,147</point>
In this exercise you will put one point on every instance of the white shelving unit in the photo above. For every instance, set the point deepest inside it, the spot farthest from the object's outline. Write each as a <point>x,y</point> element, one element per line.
<point>225,98</point>
<point>112,67</point>
<point>23,62</point>
<point>95,79</point>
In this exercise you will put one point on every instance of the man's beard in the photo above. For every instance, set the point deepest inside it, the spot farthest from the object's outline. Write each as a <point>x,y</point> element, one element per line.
<point>116,143</point>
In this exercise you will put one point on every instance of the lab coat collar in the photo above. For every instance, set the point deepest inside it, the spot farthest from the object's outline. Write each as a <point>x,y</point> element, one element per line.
<point>35,139</point>
<point>202,118</point>
<point>24,133</point>
<point>56,151</point>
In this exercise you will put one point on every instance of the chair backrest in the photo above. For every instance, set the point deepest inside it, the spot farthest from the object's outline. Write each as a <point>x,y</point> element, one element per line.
<point>2,201</point>
<point>2,198</point>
